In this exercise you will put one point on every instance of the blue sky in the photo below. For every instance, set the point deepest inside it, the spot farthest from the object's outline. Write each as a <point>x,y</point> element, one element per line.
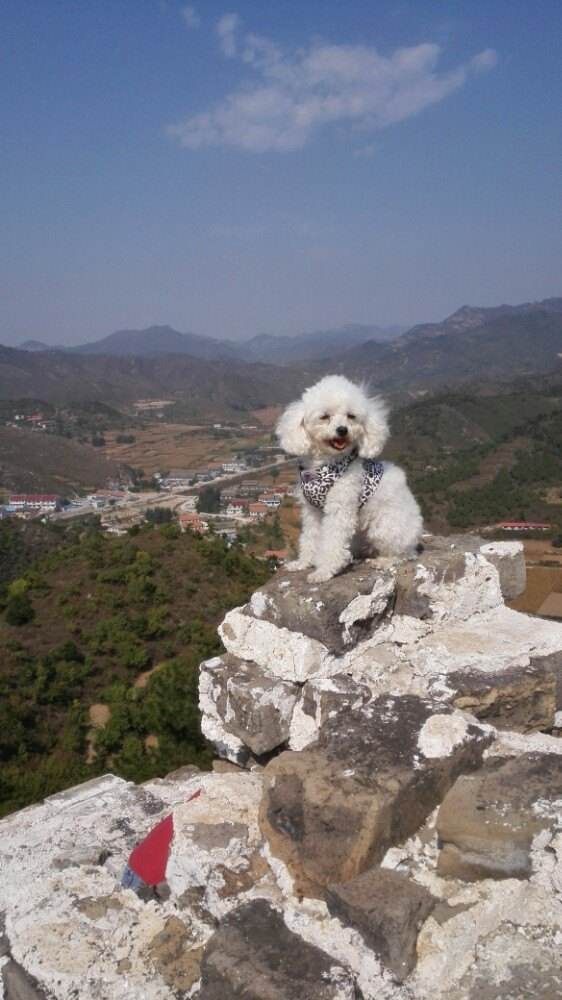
<point>254,167</point>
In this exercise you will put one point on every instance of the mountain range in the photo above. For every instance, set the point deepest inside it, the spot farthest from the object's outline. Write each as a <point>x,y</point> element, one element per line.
<point>264,348</point>
<point>472,344</point>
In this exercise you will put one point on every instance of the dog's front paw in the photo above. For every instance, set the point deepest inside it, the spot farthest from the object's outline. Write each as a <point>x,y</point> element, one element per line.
<point>319,576</point>
<point>295,565</point>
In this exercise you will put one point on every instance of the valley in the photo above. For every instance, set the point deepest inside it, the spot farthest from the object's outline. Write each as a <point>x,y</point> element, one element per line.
<point>182,504</point>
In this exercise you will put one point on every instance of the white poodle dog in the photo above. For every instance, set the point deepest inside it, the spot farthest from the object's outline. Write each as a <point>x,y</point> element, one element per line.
<point>350,502</point>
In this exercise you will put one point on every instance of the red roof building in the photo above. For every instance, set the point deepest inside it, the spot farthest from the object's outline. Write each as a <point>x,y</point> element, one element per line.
<point>35,501</point>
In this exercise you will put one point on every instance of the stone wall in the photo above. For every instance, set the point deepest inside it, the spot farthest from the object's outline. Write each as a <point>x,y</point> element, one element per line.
<point>385,821</point>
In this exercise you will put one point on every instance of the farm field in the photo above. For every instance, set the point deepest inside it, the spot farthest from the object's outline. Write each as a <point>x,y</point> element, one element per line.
<point>541,580</point>
<point>177,446</point>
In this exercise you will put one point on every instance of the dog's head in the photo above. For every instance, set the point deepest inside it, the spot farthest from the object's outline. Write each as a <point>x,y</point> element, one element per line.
<point>332,418</point>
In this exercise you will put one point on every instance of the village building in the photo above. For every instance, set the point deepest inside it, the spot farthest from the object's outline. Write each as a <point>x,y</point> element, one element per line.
<point>258,511</point>
<point>269,500</point>
<point>279,554</point>
<point>236,507</point>
<point>233,467</point>
<point>522,526</point>
<point>230,493</point>
<point>192,521</point>
<point>249,488</point>
<point>35,501</point>
<point>178,477</point>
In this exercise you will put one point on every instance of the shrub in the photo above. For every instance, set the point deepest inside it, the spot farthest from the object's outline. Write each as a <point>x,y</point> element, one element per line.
<point>19,610</point>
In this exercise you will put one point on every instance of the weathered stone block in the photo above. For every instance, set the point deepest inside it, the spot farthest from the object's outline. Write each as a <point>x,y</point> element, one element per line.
<point>488,820</point>
<point>331,811</point>
<point>319,700</point>
<point>288,655</point>
<point>254,956</point>
<point>338,613</point>
<point>253,706</point>
<point>521,697</point>
<point>387,909</point>
<point>447,584</point>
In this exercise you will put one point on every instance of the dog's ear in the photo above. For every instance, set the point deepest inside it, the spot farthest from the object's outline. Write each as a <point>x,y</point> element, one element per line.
<point>290,430</point>
<point>376,429</point>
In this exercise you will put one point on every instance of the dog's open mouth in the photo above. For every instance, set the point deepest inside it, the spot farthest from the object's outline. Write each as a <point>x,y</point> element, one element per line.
<point>338,443</point>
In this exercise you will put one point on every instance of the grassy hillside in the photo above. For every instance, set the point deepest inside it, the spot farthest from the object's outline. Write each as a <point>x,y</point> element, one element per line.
<point>475,458</point>
<point>35,462</point>
<point>120,623</point>
<point>206,389</point>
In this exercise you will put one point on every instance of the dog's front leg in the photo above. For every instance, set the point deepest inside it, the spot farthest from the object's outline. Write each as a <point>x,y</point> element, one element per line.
<point>334,545</point>
<point>311,521</point>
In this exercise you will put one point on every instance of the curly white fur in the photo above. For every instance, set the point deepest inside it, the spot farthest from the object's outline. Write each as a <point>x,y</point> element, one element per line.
<point>390,522</point>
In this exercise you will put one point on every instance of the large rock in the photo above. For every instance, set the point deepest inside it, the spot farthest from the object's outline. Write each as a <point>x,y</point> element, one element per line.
<point>253,956</point>
<point>387,909</point>
<point>454,581</point>
<point>338,613</point>
<point>253,707</point>
<point>320,699</point>
<point>331,811</point>
<point>522,696</point>
<point>215,854</point>
<point>488,820</point>
<point>295,630</point>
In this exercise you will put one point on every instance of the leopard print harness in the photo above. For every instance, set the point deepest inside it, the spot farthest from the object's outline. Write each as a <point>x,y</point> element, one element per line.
<point>317,483</point>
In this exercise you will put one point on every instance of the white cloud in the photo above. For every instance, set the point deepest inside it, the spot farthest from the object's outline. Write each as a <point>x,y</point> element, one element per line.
<point>191,17</point>
<point>296,94</point>
<point>227,28</point>
<point>484,60</point>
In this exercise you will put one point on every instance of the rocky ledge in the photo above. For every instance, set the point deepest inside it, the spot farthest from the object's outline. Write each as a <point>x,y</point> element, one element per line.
<point>386,821</point>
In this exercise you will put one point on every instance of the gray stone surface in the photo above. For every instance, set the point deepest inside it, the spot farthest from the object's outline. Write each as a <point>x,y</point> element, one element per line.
<point>18,985</point>
<point>330,811</point>
<point>252,705</point>
<point>507,557</point>
<point>488,820</point>
<point>253,956</point>
<point>445,564</point>
<point>319,700</point>
<point>387,909</point>
<point>338,613</point>
<point>522,697</point>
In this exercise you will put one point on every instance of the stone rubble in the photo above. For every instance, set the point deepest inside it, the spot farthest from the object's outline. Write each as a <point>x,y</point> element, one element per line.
<point>385,822</point>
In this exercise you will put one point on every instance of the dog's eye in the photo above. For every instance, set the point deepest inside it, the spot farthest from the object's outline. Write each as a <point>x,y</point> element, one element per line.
<point>351,416</point>
<point>325,416</point>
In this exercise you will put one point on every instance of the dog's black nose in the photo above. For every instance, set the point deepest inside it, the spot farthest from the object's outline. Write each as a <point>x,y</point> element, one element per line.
<point>341,431</point>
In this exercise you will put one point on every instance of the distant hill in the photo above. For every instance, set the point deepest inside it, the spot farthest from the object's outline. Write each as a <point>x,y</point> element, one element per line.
<point>205,388</point>
<point>156,340</point>
<point>314,346</point>
<point>471,344</point>
<point>282,350</point>
<point>35,345</point>
<point>470,318</point>
<point>34,462</point>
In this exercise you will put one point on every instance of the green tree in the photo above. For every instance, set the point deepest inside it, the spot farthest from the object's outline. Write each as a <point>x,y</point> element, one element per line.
<point>159,515</point>
<point>19,609</point>
<point>209,500</point>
